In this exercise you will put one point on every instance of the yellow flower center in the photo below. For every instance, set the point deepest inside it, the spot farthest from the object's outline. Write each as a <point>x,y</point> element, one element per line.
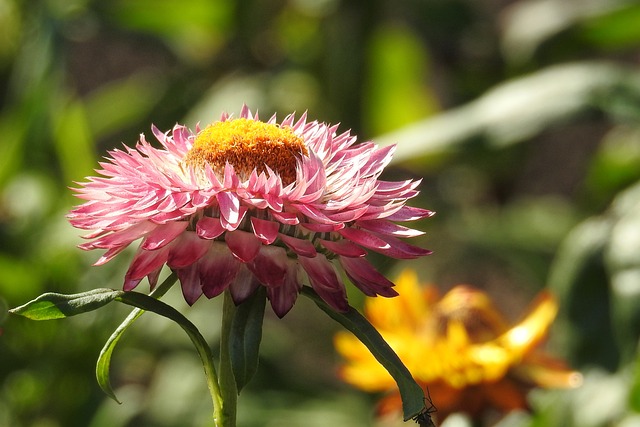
<point>247,145</point>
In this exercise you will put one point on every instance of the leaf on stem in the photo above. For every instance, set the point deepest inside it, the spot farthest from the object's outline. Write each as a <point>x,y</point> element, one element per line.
<point>245,337</point>
<point>413,399</point>
<point>57,306</point>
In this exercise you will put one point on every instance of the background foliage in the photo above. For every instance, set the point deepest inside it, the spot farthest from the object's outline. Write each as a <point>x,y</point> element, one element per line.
<point>522,116</point>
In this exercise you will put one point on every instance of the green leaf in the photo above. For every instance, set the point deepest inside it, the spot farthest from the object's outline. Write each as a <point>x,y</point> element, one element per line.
<point>413,399</point>
<point>57,306</point>
<point>245,337</point>
<point>104,360</point>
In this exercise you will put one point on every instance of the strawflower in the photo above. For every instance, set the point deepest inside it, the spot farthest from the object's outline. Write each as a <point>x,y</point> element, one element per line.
<point>459,347</point>
<point>244,203</point>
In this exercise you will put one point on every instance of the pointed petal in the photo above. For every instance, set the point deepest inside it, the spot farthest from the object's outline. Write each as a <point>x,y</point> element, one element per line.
<point>325,281</point>
<point>218,269</point>
<point>283,297</point>
<point>270,265</point>
<point>190,281</point>
<point>245,246</point>
<point>301,247</point>
<point>187,249</point>
<point>367,278</point>
<point>244,285</point>
<point>343,247</point>
<point>163,235</point>
<point>143,264</point>
<point>209,228</point>
<point>265,231</point>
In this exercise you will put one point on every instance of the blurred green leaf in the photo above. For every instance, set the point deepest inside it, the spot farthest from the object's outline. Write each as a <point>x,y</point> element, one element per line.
<point>245,337</point>
<point>517,110</point>
<point>74,141</point>
<point>397,93</point>
<point>413,399</point>
<point>614,30</point>
<point>106,111</point>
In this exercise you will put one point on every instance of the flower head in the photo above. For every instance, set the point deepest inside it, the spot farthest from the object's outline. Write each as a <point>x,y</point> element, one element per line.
<point>244,203</point>
<point>459,347</point>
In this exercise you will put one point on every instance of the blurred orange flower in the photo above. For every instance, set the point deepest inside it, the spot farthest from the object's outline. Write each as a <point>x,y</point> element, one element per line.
<point>460,347</point>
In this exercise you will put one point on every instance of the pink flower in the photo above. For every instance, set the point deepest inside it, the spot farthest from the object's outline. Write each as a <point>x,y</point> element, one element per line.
<point>244,203</point>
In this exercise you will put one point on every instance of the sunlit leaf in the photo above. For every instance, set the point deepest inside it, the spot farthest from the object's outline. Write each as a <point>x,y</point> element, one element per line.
<point>57,306</point>
<point>413,399</point>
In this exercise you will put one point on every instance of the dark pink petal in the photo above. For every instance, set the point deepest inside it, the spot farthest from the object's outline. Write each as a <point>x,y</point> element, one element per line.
<point>218,269</point>
<point>325,281</point>
<point>364,238</point>
<point>288,218</point>
<point>401,250</point>
<point>283,297</point>
<point>409,213</point>
<point>301,247</point>
<point>190,280</point>
<point>321,228</point>
<point>269,266</point>
<point>245,246</point>
<point>348,215</point>
<point>163,235</point>
<point>187,249</point>
<point>367,278</point>
<point>244,285</point>
<point>153,278</point>
<point>265,231</point>
<point>209,228</point>
<point>343,247</point>
<point>143,264</point>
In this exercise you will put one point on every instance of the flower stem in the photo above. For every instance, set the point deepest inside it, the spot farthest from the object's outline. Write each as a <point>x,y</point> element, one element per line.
<point>228,385</point>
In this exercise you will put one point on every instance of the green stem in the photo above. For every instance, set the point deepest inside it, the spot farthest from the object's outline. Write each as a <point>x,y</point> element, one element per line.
<point>227,380</point>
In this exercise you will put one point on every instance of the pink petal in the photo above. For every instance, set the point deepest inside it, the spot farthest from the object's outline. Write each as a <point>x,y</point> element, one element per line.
<point>187,249</point>
<point>325,281</point>
<point>218,269</point>
<point>270,266</point>
<point>388,228</point>
<point>343,247</point>
<point>265,231</point>
<point>244,285</point>
<point>288,218</point>
<point>301,247</point>
<point>283,297</point>
<point>190,280</point>
<point>364,238</point>
<point>163,235</point>
<point>367,278</point>
<point>245,246</point>
<point>209,228</point>
<point>321,228</point>
<point>229,207</point>
<point>409,213</point>
<point>402,250</point>
<point>143,264</point>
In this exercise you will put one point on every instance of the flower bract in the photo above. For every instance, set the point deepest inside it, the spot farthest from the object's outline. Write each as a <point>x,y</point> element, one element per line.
<point>244,203</point>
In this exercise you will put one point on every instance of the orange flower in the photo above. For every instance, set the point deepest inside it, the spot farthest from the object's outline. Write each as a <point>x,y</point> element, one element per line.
<point>460,347</point>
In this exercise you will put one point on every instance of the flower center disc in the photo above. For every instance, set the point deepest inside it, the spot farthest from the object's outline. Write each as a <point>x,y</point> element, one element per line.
<point>247,145</point>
